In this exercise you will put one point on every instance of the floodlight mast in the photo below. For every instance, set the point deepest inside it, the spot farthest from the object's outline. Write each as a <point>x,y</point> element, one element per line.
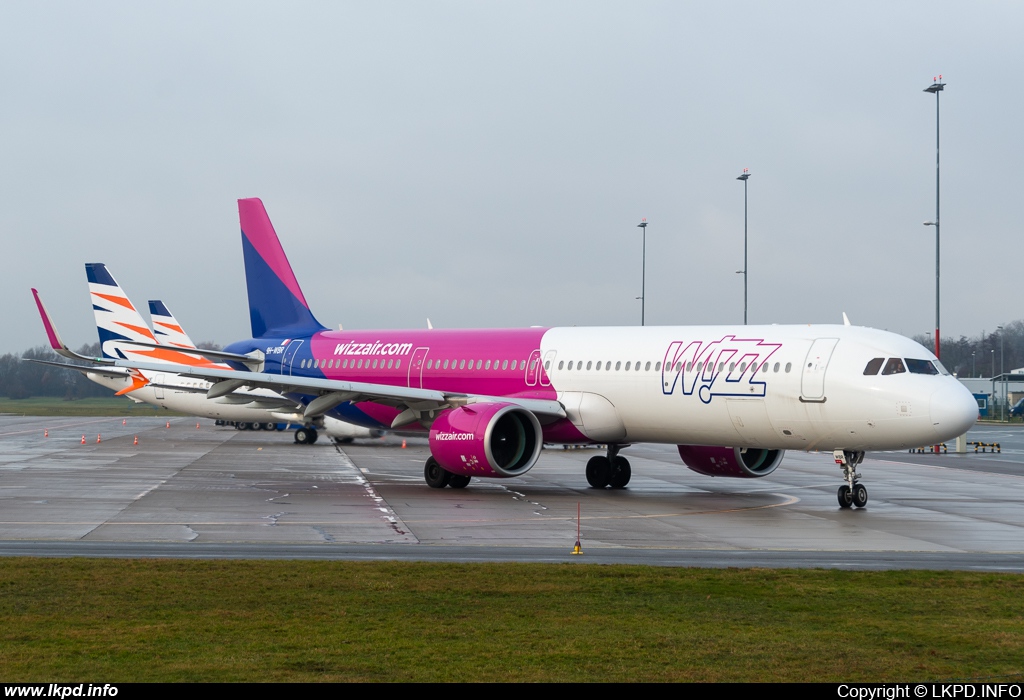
<point>745,176</point>
<point>936,87</point>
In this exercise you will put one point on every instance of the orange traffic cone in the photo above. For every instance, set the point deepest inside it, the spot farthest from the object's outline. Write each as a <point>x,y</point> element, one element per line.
<point>197,425</point>
<point>97,438</point>
<point>403,443</point>
<point>168,424</point>
<point>124,421</point>
<point>136,440</point>
<point>46,432</point>
<point>83,439</point>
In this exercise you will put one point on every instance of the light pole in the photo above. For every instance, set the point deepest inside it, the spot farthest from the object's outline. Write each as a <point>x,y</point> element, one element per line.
<point>1002,374</point>
<point>936,87</point>
<point>643,271</point>
<point>974,365</point>
<point>745,176</point>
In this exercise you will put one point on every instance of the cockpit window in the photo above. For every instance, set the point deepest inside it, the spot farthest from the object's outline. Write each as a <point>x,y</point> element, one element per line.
<point>921,367</point>
<point>942,370</point>
<point>894,366</point>
<point>873,366</point>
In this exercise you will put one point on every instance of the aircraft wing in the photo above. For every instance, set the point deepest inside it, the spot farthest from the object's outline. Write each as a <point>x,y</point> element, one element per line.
<point>116,373</point>
<point>334,392</point>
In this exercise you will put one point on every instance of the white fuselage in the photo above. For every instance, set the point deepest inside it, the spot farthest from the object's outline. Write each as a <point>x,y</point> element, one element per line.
<point>783,387</point>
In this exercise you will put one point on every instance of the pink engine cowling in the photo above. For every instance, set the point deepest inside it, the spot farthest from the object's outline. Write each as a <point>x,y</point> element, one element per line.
<point>486,439</point>
<point>736,462</point>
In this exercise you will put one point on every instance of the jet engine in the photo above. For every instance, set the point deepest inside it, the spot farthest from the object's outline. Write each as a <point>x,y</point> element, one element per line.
<point>736,462</point>
<point>486,439</point>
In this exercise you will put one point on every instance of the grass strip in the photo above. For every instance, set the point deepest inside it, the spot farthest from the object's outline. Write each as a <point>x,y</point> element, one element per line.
<point>184,620</point>
<point>95,406</point>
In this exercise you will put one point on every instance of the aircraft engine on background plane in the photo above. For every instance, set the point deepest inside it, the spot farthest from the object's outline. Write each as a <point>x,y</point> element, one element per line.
<point>497,440</point>
<point>735,462</point>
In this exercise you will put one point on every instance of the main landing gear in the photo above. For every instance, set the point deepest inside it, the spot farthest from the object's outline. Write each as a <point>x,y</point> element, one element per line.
<point>306,436</point>
<point>611,471</point>
<point>852,493</point>
<point>437,477</point>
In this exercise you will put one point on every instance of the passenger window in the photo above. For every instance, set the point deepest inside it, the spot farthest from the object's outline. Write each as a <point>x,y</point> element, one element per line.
<point>789,366</point>
<point>398,364</point>
<point>764,368</point>
<point>689,366</point>
<point>657,366</point>
<point>570,364</point>
<point>617,366</point>
<point>429,364</point>
<point>446,364</point>
<point>479,364</point>
<point>628,365</point>
<point>776,370</point>
<point>547,365</point>
<point>647,367</point>
<point>598,366</point>
<point>894,366</point>
<point>375,364</point>
<point>504,364</point>
<point>361,364</point>
<point>921,367</point>
<point>873,367</point>
<point>588,365</point>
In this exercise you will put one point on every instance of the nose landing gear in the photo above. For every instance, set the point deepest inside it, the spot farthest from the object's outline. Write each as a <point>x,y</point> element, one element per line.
<point>851,493</point>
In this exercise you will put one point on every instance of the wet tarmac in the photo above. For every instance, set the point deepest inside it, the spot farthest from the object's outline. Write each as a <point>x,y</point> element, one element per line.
<point>218,492</point>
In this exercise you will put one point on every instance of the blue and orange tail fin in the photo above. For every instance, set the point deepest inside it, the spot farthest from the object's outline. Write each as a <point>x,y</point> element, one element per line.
<point>166,328</point>
<point>117,320</point>
<point>277,307</point>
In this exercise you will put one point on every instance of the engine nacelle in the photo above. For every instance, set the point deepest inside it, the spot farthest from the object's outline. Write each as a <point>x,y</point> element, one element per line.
<point>736,462</point>
<point>486,439</point>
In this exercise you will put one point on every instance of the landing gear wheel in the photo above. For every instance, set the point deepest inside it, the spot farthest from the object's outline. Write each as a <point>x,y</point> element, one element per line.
<point>436,476</point>
<point>860,495</point>
<point>621,471</point>
<point>314,436</point>
<point>344,441</point>
<point>845,496</point>
<point>459,481</point>
<point>599,472</point>
<point>302,436</point>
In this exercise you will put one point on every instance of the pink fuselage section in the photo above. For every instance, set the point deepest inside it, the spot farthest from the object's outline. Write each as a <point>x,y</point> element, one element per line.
<point>499,363</point>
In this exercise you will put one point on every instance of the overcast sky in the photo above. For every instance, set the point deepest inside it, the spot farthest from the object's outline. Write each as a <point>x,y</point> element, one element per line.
<point>485,164</point>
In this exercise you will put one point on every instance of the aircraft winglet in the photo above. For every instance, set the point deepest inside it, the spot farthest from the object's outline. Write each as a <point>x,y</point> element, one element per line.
<point>846,320</point>
<point>54,337</point>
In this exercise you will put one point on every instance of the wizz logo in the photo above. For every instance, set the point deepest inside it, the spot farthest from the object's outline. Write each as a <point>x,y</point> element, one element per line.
<point>726,367</point>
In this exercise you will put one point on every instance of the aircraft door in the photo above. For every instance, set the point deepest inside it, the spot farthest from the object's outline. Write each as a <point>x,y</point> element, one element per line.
<point>812,379</point>
<point>158,391</point>
<point>289,356</point>
<point>549,361</point>
<point>533,368</point>
<point>416,368</point>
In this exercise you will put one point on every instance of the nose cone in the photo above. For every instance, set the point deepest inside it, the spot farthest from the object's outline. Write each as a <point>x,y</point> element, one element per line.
<point>954,410</point>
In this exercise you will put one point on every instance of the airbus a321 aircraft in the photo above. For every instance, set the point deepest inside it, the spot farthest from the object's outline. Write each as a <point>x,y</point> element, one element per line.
<point>732,398</point>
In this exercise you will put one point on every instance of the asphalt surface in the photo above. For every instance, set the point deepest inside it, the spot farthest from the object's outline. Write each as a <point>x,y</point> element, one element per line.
<point>219,493</point>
